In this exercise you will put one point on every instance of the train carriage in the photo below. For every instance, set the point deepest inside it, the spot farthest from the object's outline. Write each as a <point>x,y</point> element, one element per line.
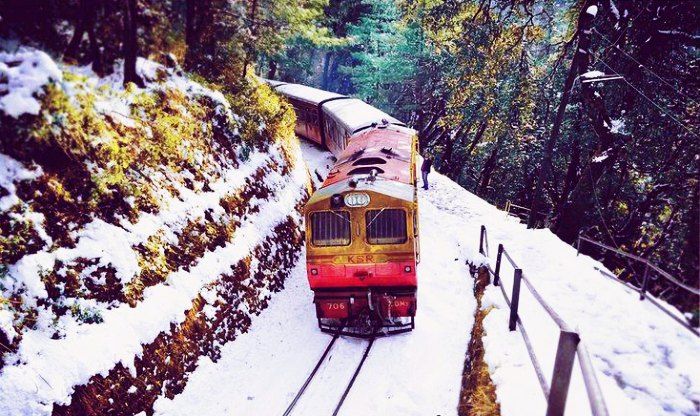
<point>362,223</point>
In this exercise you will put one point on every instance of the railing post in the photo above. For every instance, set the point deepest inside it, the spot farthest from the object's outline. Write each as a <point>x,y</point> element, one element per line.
<point>497,273</point>
<point>561,377</point>
<point>578,244</point>
<point>481,240</point>
<point>645,282</point>
<point>515,298</point>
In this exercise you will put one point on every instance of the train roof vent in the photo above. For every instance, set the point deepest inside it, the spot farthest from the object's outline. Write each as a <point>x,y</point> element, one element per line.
<point>365,170</point>
<point>389,151</point>
<point>356,154</point>
<point>366,161</point>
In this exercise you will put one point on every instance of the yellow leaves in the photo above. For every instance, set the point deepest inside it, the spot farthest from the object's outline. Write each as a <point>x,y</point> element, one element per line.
<point>132,143</point>
<point>59,191</point>
<point>665,214</point>
<point>622,207</point>
<point>535,33</point>
<point>154,268</point>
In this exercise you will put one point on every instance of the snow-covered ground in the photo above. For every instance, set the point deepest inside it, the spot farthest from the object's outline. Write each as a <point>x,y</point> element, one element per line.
<point>417,373</point>
<point>647,364</point>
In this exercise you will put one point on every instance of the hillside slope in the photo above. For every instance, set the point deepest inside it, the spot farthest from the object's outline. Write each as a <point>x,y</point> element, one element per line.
<point>647,364</point>
<point>141,228</point>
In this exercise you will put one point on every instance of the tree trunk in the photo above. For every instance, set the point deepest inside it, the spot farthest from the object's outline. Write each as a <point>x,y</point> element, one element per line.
<point>95,53</point>
<point>477,137</point>
<point>190,29</point>
<point>579,62</point>
<point>131,44</point>
<point>193,23</point>
<point>571,175</point>
<point>71,51</point>
<point>272,69</point>
<point>326,66</point>
<point>253,30</point>
<point>486,173</point>
<point>86,24</point>
<point>447,167</point>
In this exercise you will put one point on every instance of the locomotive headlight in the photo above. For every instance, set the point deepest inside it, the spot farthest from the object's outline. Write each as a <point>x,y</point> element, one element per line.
<point>356,199</point>
<point>407,269</point>
<point>314,272</point>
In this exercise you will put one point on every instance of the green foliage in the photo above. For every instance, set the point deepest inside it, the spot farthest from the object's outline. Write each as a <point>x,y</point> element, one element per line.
<point>86,314</point>
<point>384,65</point>
<point>265,117</point>
<point>17,236</point>
<point>482,82</point>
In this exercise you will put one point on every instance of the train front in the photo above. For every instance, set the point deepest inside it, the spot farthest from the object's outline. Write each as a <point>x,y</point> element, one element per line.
<point>362,239</point>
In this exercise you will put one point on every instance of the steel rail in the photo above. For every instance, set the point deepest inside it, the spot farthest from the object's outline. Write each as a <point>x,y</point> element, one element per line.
<point>354,377</point>
<point>510,259</point>
<point>310,377</point>
<point>555,316</point>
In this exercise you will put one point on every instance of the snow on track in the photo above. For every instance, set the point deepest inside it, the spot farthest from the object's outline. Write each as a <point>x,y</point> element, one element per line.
<point>324,392</point>
<point>417,373</point>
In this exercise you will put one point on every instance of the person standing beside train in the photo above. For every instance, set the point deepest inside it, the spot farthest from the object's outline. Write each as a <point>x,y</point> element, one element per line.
<point>425,169</point>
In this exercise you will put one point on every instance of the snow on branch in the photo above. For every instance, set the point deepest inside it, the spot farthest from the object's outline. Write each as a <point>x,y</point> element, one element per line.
<point>683,37</point>
<point>592,10</point>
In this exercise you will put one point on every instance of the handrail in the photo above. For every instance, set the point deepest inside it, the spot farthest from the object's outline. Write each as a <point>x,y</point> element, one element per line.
<point>595,394</point>
<point>643,289</point>
<point>528,344</point>
<point>510,259</point>
<point>557,319</point>
<point>654,267</point>
<point>663,309</point>
<point>555,316</point>
<point>570,344</point>
<point>510,204</point>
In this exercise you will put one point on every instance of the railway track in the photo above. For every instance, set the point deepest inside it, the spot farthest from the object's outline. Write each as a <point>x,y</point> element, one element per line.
<point>303,389</point>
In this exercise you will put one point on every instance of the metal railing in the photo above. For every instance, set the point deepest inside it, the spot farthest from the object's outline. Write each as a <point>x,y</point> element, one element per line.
<point>570,344</point>
<point>648,268</point>
<point>523,213</point>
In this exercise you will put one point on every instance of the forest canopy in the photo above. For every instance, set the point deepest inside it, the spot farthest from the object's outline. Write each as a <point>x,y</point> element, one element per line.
<point>584,112</point>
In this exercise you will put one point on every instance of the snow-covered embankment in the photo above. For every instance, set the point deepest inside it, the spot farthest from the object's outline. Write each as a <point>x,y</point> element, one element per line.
<point>141,229</point>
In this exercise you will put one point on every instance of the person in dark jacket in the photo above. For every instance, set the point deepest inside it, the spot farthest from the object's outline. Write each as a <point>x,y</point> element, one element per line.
<point>425,169</point>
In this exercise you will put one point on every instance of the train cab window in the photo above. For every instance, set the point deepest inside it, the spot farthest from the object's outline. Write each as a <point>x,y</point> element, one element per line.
<point>386,226</point>
<point>330,228</point>
<point>365,170</point>
<point>365,161</point>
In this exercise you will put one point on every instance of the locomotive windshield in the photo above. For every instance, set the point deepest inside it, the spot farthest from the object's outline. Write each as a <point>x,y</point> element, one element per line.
<point>330,228</point>
<point>386,226</point>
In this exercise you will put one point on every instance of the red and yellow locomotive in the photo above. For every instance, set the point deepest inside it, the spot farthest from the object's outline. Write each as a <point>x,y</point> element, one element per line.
<point>362,242</point>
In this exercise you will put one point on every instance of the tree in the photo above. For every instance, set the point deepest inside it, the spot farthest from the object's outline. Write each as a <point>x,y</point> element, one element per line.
<point>87,17</point>
<point>131,43</point>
